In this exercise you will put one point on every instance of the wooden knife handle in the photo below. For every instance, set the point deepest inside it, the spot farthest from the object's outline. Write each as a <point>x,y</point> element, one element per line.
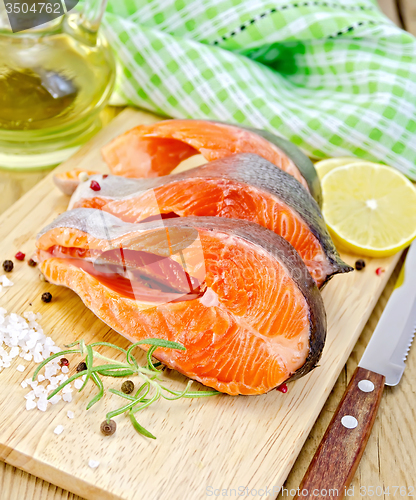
<point>340,451</point>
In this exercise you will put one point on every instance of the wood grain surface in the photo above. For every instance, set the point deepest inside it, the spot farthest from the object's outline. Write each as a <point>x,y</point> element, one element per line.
<point>201,443</point>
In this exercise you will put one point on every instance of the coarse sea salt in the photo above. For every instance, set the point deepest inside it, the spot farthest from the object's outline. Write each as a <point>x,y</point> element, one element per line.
<point>22,336</point>
<point>70,414</point>
<point>93,464</point>
<point>59,429</point>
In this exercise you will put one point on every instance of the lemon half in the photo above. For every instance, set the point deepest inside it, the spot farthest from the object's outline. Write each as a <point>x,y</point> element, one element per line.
<point>324,166</point>
<point>370,209</point>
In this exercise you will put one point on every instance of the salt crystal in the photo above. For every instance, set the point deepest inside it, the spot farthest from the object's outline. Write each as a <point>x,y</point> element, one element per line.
<point>14,352</point>
<point>39,391</point>
<point>67,389</point>
<point>65,369</point>
<point>30,404</point>
<point>67,397</point>
<point>4,280</point>
<point>70,414</point>
<point>30,395</point>
<point>28,356</point>
<point>78,383</point>
<point>24,384</point>
<point>41,378</point>
<point>21,368</point>
<point>59,430</point>
<point>37,357</point>
<point>42,404</point>
<point>93,464</point>
<point>55,399</point>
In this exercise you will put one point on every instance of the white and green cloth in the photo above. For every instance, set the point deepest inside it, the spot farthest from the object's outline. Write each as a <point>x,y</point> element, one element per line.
<point>335,77</point>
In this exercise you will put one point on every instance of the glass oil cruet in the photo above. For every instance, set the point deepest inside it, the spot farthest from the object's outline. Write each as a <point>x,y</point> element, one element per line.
<point>54,81</point>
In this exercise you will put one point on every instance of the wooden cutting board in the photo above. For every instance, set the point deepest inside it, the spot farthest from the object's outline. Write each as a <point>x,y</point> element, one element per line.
<point>220,443</point>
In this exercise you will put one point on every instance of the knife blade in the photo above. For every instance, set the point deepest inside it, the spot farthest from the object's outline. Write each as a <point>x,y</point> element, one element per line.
<point>387,350</point>
<point>339,453</point>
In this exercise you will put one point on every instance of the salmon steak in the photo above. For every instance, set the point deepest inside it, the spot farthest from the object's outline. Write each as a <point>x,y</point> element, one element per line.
<point>236,295</point>
<point>243,186</point>
<point>155,150</point>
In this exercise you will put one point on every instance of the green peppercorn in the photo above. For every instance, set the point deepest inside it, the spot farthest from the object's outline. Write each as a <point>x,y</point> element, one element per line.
<point>82,367</point>
<point>108,428</point>
<point>127,387</point>
<point>8,266</point>
<point>360,264</point>
<point>46,297</point>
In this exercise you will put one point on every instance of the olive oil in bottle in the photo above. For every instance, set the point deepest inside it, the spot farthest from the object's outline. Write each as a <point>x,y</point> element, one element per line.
<point>54,81</point>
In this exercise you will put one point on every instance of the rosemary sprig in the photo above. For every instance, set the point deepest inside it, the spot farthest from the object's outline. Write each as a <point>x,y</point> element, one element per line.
<point>150,390</point>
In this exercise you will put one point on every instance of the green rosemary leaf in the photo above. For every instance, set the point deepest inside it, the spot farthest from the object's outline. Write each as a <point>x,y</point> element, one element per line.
<point>100,386</point>
<point>73,344</point>
<point>179,395</point>
<point>71,379</point>
<point>114,366</point>
<point>139,428</point>
<point>89,362</point>
<point>156,342</point>
<point>116,373</point>
<point>191,394</point>
<point>121,410</point>
<point>57,355</point>
<point>122,394</point>
<point>149,355</point>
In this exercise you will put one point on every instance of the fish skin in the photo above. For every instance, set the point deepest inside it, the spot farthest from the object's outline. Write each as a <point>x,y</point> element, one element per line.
<point>100,225</point>
<point>304,164</point>
<point>124,160</point>
<point>245,168</point>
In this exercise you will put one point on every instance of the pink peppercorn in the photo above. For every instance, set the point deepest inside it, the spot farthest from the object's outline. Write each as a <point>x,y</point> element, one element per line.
<point>20,256</point>
<point>95,186</point>
<point>282,388</point>
<point>379,271</point>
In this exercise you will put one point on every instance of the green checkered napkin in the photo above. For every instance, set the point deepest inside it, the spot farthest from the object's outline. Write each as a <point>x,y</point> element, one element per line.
<point>335,77</point>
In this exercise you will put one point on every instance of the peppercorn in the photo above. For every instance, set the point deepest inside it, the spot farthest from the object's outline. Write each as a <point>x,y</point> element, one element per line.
<point>108,428</point>
<point>379,271</point>
<point>20,256</point>
<point>63,362</point>
<point>282,388</point>
<point>360,264</point>
<point>32,263</point>
<point>95,186</point>
<point>82,367</point>
<point>127,387</point>
<point>8,266</point>
<point>46,297</point>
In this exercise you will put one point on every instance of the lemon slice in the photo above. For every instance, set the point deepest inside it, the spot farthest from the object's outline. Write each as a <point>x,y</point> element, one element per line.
<point>324,166</point>
<point>369,208</point>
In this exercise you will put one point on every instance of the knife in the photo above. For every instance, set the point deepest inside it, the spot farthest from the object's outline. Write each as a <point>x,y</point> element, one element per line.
<point>383,363</point>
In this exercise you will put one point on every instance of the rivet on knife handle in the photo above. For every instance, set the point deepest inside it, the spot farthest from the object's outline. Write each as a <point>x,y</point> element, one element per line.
<point>339,453</point>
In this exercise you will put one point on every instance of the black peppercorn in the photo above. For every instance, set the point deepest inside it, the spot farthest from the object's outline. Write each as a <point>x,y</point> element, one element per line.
<point>127,387</point>
<point>8,266</point>
<point>82,367</point>
<point>360,264</point>
<point>46,297</point>
<point>108,428</point>
<point>32,263</point>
